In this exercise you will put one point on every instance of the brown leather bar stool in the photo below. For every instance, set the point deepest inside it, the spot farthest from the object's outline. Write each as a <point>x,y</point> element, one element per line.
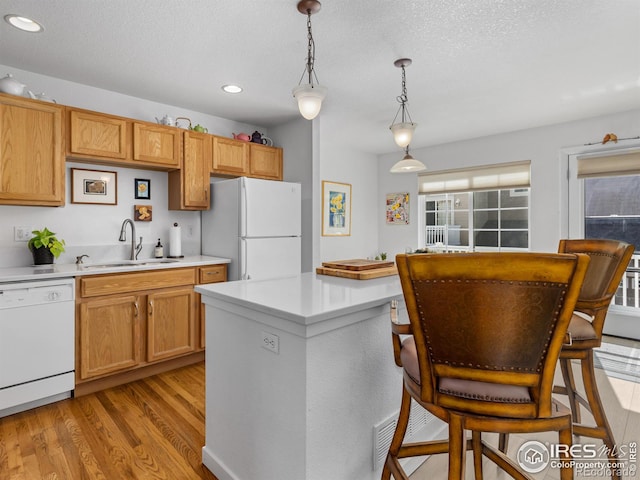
<point>480,351</point>
<point>609,260</point>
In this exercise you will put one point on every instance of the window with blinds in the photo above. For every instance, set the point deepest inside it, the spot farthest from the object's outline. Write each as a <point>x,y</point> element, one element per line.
<point>611,200</point>
<point>480,208</point>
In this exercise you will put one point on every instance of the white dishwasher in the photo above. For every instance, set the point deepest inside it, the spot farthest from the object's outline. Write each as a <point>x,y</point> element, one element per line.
<point>36,343</point>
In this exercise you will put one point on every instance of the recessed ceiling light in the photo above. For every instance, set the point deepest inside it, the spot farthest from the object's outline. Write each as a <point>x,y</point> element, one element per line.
<point>23,23</point>
<point>232,88</point>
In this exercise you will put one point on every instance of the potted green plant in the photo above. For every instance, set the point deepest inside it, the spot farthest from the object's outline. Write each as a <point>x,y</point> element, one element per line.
<point>45,246</point>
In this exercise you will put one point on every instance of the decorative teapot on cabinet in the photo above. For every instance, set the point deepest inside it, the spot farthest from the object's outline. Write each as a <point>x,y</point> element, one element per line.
<point>41,96</point>
<point>10,85</point>
<point>257,137</point>
<point>245,137</point>
<point>166,120</point>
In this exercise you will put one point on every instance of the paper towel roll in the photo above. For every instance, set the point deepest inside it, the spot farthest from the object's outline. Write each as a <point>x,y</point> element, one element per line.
<point>175,241</point>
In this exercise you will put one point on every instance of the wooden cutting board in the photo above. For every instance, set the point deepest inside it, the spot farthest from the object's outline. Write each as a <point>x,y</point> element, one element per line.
<point>358,264</point>
<point>358,274</point>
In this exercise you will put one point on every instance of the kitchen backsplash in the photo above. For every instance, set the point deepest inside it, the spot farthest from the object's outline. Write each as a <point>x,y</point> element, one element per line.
<point>94,229</point>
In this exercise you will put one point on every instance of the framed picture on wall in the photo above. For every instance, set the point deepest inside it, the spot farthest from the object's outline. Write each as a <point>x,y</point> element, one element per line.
<point>143,188</point>
<point>94,186</point>
<point>336,209</point>
<point>397,208</point>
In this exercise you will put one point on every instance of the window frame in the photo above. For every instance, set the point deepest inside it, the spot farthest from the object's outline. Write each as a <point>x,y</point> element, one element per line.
<point>471,229</point>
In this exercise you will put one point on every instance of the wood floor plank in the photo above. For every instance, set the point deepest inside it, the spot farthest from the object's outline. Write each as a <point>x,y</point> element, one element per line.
<point>171,430</point>
<point>10,457</point>
<point>148,429</point>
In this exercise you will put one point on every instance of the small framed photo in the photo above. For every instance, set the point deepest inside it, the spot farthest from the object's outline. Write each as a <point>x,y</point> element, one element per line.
<point>94,186</point>
<point>143,188</point>
<point>336,209</point>
<point>142,213</point>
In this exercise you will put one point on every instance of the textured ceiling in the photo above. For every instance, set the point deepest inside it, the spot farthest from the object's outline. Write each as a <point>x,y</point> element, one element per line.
<point>479,66</point>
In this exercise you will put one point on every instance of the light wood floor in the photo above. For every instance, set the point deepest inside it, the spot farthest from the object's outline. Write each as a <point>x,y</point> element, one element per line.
<point>154,429</point>
<point>148,429</point>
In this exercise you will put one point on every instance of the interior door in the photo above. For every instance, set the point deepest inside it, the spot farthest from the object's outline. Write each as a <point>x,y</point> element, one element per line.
<point>606,204</point>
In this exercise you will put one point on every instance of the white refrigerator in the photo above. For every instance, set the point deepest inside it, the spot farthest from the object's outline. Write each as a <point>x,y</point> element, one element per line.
<point>257,224</point>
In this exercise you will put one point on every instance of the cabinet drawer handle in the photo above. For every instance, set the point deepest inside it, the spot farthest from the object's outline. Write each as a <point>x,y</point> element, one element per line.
<point>135,306</point>
<point>150,308</point>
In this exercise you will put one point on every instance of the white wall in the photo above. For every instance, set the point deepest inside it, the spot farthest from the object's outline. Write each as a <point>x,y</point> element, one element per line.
<point>543,146</point>
<point>339,162</point>
<point>94,229</point>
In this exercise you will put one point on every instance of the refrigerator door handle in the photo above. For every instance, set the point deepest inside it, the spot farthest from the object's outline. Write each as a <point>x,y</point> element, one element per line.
<point>244,259</point>
<point>244,202</point>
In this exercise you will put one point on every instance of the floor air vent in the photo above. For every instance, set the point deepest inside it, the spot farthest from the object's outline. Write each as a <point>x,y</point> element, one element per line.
<point>383,432</point>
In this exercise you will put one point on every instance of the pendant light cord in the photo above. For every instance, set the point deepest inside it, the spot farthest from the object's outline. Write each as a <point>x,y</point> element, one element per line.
<point>402,100</point>
<point>311,54</point>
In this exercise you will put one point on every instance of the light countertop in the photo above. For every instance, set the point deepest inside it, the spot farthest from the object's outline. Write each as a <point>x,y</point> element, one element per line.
<point>306,298</point>
<point>43,272</point>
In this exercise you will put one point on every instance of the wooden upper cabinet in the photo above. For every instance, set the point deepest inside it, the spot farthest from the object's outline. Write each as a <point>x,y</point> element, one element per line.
<point>230,157</point>
<point>265,162</point>
<point>32,170</point>
<point>96,135</point>
<point>156,144</point>
<point>189,187</point>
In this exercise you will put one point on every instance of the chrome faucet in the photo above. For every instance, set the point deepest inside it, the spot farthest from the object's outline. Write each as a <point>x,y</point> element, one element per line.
<point>79,259</point>
<point>135,249</point>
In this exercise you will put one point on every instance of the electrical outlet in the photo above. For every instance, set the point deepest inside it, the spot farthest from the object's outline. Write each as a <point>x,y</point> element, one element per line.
<point>22,234</point>
<point>270,342</point>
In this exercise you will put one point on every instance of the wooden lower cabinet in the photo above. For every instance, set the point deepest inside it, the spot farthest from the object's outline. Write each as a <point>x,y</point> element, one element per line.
<point>109,335</point>
<point>170,323</point>
<point>208,274</point>
<point>131,325</point>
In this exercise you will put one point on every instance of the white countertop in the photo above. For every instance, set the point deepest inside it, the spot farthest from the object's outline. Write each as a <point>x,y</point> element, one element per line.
<point>306,298</point>
<point>42,272</point>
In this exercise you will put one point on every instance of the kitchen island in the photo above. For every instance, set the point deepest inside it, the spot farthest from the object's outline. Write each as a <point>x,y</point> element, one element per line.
<point>299,371</point>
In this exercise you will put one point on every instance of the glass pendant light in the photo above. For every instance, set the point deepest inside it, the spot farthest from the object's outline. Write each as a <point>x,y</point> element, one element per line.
<point>408,164</point>
<point>309,95</point>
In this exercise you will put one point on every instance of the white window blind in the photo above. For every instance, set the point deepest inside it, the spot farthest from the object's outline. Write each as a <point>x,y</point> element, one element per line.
<point>488,177</point>
<point>618,164</point>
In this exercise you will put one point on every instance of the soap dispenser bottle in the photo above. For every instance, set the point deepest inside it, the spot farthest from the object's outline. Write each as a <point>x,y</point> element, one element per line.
<point>159,251</point>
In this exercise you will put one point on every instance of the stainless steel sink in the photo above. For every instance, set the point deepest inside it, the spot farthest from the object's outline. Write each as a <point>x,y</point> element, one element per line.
<point>127,263</point>
<point>153,262</point>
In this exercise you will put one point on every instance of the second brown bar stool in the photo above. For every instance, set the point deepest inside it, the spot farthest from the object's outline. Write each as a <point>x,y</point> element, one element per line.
<point>609,260</point>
